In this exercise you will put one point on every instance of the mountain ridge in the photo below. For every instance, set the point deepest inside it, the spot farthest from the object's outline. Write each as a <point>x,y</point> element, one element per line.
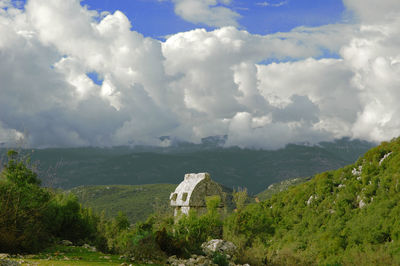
<point>233,167</point>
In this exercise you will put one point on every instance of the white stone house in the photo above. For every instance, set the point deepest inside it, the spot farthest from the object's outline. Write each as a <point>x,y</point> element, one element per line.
<point>192,192</point>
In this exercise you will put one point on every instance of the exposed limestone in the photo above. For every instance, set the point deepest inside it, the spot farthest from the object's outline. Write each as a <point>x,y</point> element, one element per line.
<point>220,246</point>
<point>66,243</point>
<point>384,157</point>
<point>361,204</point>
<point>6,262</point>
<point>357,172</point>
<point>89,247</point>
<point>310,199</point>
<point>4,255</point>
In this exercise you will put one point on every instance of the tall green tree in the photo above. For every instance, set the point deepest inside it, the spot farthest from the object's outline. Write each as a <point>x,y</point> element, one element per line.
<point>23,205</point>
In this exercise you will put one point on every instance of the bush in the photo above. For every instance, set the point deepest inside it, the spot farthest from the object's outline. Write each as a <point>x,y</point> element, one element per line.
<point>220,259</point>
<point>68,220</point>
<point>23,206</point>
<point>195,229</point>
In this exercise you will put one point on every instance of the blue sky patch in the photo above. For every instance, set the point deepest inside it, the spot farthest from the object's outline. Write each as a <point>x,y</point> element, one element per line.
<point>94,76</point>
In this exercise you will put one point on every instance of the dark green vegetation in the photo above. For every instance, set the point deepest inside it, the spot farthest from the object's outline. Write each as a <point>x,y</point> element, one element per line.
<point>137,202</point>
<point>348,216</point>
<point>233,167</point>
<point>31,217</point>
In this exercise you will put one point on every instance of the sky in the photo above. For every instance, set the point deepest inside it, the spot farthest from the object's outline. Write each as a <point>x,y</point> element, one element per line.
<point>265,73</point>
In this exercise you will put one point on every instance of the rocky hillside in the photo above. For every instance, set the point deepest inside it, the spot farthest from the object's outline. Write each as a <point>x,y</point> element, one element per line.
<point>348,216</point>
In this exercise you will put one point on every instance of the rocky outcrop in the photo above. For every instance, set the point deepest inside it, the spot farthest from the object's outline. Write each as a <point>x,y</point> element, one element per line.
<point>219,246</point>
<point>6,262</point>
<point>216,251</point>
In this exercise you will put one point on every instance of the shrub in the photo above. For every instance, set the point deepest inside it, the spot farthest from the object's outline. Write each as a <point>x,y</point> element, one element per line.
<point>23,206</point>
<point>195,229</point>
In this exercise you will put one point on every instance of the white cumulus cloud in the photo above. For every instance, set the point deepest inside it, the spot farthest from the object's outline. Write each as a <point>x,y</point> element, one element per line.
<point>207,12</point>
<point>194,84</point>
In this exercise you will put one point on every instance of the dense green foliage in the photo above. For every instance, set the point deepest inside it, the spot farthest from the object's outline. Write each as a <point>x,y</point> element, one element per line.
<point>23,207</point>
<point>347,216</point>
<point>32,217</point>
<point>233,167</point>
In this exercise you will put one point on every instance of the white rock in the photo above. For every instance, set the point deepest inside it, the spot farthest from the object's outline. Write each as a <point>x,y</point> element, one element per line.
<point>361,204</point>
<point>384,157</point>
<point>310,200</point>
<point>218,245</point>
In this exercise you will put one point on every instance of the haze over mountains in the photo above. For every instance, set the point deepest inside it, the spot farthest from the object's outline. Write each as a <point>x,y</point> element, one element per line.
<point>233,167</point>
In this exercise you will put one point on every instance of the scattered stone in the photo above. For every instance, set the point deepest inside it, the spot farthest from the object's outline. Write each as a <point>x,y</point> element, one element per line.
<point>5,262</point>
<point>4,255</point>
<point>220,246</point>
<point>357,172</point>
<point>66,243</point>
<point>361,204</point>
<point>89,247</point>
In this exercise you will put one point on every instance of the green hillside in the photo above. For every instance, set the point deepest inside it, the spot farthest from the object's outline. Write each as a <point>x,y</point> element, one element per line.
<point>137,202</point>
<point>280,186</point>
<point>348,216</point>
<point>234,167</point>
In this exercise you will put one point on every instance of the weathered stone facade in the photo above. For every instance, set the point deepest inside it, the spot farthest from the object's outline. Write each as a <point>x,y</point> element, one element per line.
<point>192,192</point>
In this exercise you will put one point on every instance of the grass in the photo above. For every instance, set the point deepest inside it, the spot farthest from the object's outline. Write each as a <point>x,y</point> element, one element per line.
<point>72,255</point>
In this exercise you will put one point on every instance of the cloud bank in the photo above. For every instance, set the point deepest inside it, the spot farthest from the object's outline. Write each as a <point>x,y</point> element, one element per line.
<point>194,84</point>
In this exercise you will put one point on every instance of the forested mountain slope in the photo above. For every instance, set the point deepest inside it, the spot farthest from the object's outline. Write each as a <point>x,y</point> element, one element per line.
<point>233,167</point>
<point>137,202</point>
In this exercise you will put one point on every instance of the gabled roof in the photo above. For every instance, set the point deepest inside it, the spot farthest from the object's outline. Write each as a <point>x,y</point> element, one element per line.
<point>183,192</point>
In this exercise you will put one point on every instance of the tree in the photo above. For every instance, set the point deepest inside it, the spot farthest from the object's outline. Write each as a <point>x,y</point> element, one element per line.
<point>23,206</point>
